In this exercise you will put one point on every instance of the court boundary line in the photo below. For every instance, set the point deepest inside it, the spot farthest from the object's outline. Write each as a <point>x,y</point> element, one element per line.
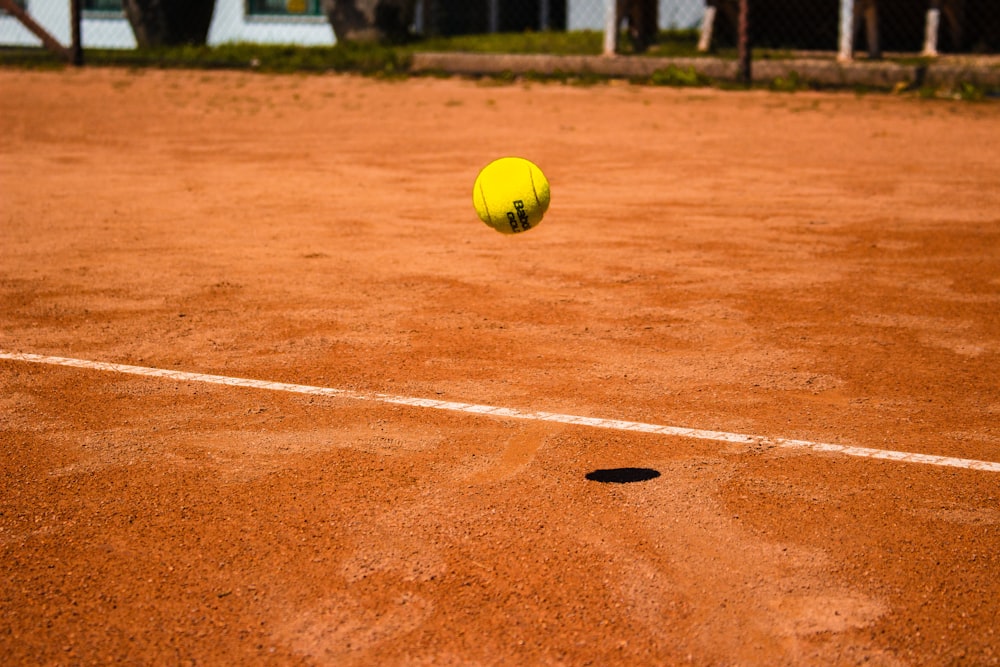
<point>512,413</point>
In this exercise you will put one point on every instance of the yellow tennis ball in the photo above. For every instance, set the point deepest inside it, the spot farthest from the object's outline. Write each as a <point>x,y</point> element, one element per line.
<point>511,195</point>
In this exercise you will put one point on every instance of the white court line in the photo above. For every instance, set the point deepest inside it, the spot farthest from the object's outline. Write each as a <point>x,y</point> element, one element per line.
<point>614,424</point>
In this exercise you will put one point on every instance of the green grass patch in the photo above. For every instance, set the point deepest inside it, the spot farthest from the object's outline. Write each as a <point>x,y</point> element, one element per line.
<point>970,92</point>
<point>670,43</point>
<point>963,90</point>
<point>366,59</point>
<point>16,56</point>
<point>788,84</point>
<point>678,76</point>
<point>384,60</point>
<point>582,42</point>
<point>374,59</point>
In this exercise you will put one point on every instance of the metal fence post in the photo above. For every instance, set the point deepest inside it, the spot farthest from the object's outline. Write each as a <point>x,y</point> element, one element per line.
<point>494,18</point>
<point>75,21</point>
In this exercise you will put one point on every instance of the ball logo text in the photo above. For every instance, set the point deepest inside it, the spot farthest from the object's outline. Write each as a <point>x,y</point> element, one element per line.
<point>522,217</point>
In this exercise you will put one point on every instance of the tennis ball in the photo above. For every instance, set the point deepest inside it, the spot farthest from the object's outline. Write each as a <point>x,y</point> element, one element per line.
<point>511,195</point>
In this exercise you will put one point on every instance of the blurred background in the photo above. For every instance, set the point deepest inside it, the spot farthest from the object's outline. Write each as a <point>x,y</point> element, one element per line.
<point>875,27</point>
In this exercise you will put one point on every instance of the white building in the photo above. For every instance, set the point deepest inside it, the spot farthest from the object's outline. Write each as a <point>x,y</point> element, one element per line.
<point>104,25</point>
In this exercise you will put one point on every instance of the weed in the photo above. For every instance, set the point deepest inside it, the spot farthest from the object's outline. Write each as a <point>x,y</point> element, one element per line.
<point>788,84</point>
<point>678,76</point>
<point>970,92</point>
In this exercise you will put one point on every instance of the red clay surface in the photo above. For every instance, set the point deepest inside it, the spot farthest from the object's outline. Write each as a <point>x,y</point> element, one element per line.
<point>812,266</point>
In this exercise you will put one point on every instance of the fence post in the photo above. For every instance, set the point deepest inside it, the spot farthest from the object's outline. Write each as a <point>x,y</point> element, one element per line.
<point>744,45</point>
<point>75,21</point>
<point>707,25</point>
<point>494,17</point>
<point>931,31</point>
<point>846,52</point>
<point>610,27</point>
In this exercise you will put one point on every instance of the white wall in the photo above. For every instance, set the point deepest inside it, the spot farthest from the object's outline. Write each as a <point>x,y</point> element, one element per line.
<point>106,33</point>
<point>589,14</point>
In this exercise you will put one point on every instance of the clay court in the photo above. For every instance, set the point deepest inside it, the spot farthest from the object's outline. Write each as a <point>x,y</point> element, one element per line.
<point>272,394</point>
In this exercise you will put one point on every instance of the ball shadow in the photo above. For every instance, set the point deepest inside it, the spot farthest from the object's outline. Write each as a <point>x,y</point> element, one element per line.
<point>623,475</point>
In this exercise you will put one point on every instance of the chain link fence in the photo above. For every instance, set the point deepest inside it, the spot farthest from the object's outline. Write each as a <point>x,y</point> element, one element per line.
<point>878,27</point>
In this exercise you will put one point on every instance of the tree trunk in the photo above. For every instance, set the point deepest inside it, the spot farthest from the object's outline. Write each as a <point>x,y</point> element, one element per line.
<point>370,20</point>
<point>169,22</point>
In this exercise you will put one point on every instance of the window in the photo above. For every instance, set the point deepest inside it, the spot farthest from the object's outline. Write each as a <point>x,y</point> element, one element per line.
<point>285,7</point>
<point>103,6</point>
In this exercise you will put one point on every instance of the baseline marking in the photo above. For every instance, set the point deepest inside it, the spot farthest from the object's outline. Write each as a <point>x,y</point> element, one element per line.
<point>494,411</point>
